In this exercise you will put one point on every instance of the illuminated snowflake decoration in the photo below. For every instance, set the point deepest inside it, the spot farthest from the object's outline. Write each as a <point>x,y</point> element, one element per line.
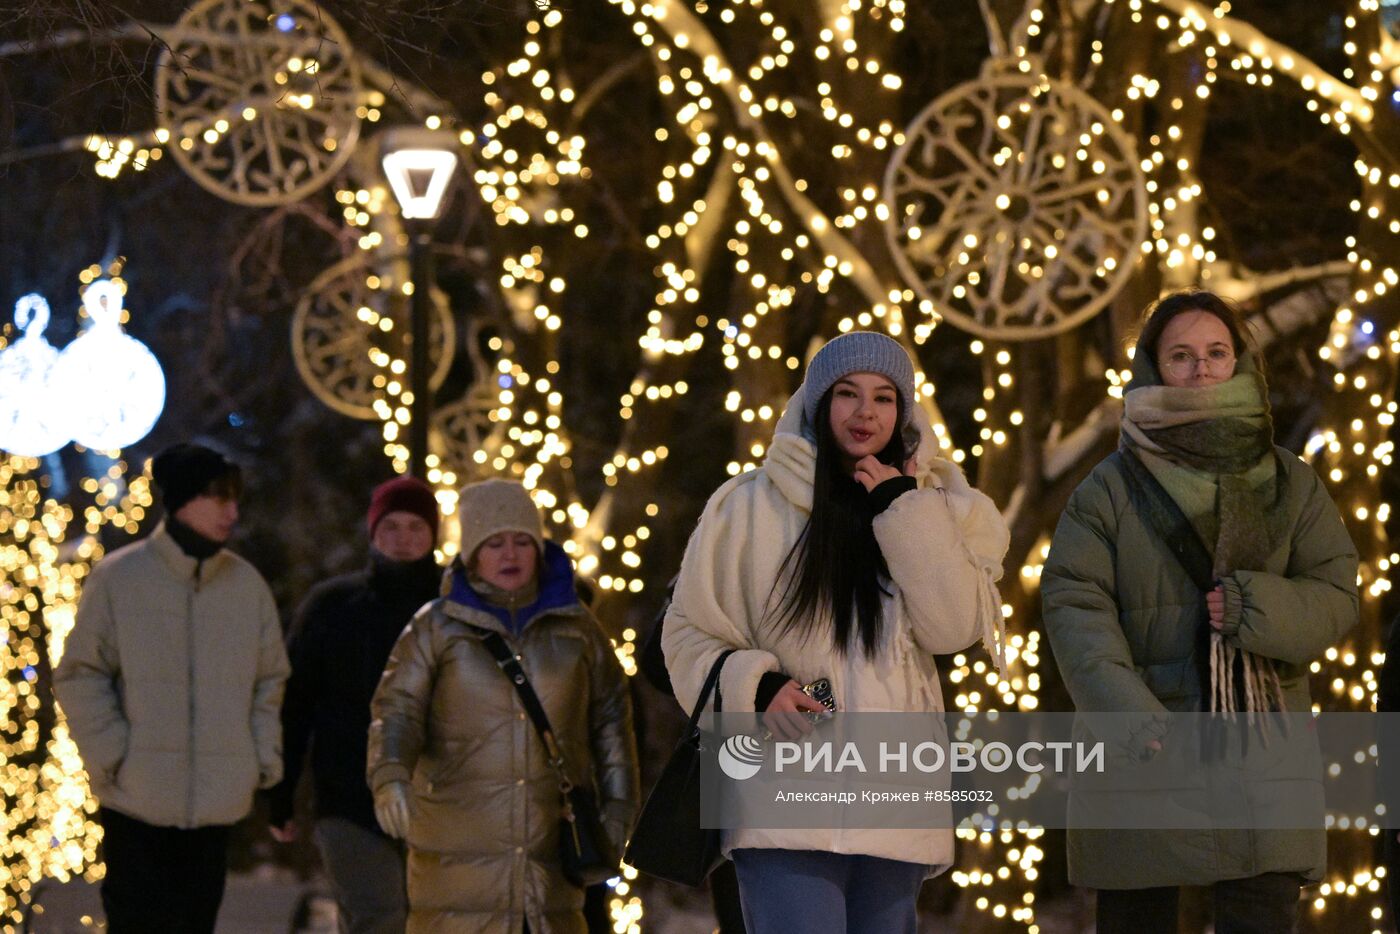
<point>260,98</point>
<point>343,332</point>
<point>1016,206</point>
<point>469,432</point>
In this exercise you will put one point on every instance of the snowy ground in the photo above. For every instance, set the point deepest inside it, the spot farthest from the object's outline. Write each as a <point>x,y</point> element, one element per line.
<point>269,902</point>
<point>259,903</point>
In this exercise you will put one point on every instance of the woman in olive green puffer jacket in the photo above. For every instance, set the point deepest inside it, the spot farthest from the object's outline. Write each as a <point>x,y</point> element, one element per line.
<point>1133,632</point>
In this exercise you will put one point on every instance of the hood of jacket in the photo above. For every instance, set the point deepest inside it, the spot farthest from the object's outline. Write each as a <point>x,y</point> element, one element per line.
<point>556,590</point>
<point>791,464</point>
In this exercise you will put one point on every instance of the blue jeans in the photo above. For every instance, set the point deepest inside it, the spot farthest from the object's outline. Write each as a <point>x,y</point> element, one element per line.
<point>815,892</point>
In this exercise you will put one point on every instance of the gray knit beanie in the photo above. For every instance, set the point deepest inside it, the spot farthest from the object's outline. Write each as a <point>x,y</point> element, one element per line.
<point>859,352</point>
<point>492,506</point>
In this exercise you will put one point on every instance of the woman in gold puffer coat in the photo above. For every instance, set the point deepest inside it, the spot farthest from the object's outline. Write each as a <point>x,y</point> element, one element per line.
<point>456,765</point>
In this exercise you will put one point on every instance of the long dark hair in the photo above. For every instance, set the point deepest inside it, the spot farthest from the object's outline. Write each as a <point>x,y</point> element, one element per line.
<point>835,569</point>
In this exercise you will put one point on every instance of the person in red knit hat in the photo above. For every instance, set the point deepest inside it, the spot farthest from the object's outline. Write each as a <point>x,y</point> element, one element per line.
<point>338,646</point>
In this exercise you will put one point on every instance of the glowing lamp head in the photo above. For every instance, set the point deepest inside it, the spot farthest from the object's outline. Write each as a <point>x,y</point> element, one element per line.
<point>419,164</point>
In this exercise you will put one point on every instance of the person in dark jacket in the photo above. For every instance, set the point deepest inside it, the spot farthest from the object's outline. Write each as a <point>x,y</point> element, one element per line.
<point>339,644</point>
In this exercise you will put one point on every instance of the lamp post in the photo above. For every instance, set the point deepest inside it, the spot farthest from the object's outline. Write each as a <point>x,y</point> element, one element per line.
<point>419,164</point>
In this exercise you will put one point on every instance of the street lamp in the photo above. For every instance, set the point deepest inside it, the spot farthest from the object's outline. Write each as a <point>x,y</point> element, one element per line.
<point>419,164</point>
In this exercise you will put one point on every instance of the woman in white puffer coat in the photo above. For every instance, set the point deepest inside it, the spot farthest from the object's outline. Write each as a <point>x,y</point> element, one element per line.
<point>856,554</point>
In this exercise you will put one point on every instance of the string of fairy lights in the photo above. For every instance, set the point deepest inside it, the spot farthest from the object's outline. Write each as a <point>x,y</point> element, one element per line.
<point>779,244</point>
<point>528,193</point>
<point>760,233</point>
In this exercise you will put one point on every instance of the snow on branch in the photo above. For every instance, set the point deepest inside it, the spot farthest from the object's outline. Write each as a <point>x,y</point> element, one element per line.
<point>1243,289</point>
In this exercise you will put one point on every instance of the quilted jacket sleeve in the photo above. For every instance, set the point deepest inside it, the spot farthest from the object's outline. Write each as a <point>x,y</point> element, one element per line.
<point>708,615</point>
<point>85,683</point>
<point>399,710</point>
<point>1294,617</point>
<point>943,581</point>
<point>1080,610</point>
<point>272,672</point>
<point>613,740</point>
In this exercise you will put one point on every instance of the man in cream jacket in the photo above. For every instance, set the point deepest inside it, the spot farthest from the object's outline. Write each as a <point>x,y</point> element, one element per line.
<point>172,681</point>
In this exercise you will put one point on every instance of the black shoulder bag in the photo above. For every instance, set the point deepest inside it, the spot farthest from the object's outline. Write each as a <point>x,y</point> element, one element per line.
<point>668,841</point>
<point>1165,517</point>
<point>585,854</point>
<point>1167,520</point>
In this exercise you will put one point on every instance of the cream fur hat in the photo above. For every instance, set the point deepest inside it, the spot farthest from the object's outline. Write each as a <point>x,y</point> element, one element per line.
<point>492,506</point>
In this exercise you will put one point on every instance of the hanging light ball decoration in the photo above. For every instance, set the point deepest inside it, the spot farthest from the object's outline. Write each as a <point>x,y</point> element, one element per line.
<point>110,385</point>
<point>31,422</point>
<point>1016,207</point>
<point>344,338</point>
<point>260,98</point>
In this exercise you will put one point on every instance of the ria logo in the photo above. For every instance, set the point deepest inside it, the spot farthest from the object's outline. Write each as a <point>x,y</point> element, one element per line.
<point>741,757</point>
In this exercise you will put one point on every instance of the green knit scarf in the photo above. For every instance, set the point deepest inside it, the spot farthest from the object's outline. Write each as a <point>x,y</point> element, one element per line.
<point>1211,448</point>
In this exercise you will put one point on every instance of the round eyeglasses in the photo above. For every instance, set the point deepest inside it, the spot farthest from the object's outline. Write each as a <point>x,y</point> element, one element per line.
<point>1182,364</point>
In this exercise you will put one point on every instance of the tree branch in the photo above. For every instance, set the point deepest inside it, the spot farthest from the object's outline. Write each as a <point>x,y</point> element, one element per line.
<point>1223,282</point>
<point>418,100</point>
<point>1311,76</point>
<point>687,30</point>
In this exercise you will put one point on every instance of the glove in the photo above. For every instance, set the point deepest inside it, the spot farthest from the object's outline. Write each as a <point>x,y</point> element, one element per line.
<point>392,807</point>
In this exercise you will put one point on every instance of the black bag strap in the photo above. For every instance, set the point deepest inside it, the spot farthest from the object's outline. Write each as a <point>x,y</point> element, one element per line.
<point>711,684</point>
<point>509,663</point>
<point>1168,521</point>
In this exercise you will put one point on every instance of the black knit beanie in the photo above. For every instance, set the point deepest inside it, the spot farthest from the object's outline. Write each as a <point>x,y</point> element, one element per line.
<point>183,471</point>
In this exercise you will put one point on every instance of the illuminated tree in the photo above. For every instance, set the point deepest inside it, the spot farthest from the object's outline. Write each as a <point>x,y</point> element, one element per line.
<point>46,551</point>
<point>671,202</point>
